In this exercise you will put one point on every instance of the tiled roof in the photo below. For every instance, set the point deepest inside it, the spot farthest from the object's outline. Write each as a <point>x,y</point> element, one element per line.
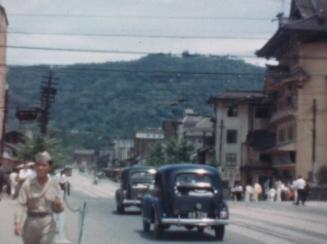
<point>305,16</point>
<point>238,95</point>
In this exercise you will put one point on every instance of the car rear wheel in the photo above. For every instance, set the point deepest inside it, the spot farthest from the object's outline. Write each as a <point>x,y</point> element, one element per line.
<point>200,230</point>
<point>219,232</point>
<point>157,226</point>
<point>120,209</point>
<point>189,227</point>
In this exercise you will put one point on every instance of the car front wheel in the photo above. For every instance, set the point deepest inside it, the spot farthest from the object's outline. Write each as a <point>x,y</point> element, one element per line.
<point>146,226</point>
<point>157,226</point>
<point>219,232</point>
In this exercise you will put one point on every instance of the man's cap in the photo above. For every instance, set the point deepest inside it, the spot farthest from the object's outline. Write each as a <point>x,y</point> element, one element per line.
<point>42,157</point>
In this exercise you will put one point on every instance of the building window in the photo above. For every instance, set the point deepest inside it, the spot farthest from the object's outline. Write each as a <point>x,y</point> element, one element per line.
<point>261,112</point>
<point>231,136</point>
<point>232,111</point>
<point>231,159</point>
<point>281,135</point>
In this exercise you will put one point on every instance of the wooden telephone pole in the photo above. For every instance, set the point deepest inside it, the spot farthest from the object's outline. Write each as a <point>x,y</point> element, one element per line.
<point>48,93</point>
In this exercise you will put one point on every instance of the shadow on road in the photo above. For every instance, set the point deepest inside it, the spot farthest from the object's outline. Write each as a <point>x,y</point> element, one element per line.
<point>127,212</point>
<point>178,235</point>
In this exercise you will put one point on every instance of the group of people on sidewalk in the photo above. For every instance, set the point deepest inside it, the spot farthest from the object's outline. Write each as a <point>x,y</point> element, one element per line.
<point>296,191</point>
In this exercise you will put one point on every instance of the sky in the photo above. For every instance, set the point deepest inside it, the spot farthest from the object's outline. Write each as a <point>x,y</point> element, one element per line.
<point>118,30</point>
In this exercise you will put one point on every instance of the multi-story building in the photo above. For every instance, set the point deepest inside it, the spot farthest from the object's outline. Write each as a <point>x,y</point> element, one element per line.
<point>297,88</point>
<point>3,70</point>
<point>236,114</point>
<point>145,140</point>
<point>123,149</point>
<point>198,132</point>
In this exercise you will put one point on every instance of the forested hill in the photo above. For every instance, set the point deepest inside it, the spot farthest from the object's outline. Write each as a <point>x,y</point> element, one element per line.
<point>117,97</point>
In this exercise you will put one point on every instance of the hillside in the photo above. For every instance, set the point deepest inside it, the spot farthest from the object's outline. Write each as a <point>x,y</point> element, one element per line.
<point>115,98</point>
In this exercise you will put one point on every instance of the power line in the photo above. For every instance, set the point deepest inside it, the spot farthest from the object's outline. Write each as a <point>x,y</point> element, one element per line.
<point>203,18</point>
<point>153,36</point>
<point>116,51</point>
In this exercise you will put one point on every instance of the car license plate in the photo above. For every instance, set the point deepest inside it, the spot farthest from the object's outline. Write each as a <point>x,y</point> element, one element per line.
<point>197,215</point>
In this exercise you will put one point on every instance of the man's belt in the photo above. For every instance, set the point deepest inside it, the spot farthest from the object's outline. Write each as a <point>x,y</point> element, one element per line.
<point>37,214</point>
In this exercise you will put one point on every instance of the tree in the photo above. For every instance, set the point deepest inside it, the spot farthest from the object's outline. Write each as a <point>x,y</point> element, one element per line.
<point>173,151</point>
<point>157,156</point>
<point>40,143</point>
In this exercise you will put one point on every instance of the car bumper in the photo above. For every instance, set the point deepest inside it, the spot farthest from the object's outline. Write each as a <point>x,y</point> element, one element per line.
<point>131,202</point>
<point>194,222</point>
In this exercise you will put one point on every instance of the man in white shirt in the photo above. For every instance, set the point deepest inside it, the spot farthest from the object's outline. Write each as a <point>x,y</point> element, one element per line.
<point>13,183</point>
<point>300,185</point>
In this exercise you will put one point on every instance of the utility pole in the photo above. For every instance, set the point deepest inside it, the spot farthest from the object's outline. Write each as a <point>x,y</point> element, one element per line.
<point>221,130</point>
<point>314,138</point>
<point>5,111</point>
<point>48,93</point>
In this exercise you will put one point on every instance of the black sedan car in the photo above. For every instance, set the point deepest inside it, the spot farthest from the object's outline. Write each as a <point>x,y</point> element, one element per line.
<point>188,195</point>
<point>135,182</point>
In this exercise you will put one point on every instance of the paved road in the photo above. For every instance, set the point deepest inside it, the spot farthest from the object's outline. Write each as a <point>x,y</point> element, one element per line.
<point>251,222</point>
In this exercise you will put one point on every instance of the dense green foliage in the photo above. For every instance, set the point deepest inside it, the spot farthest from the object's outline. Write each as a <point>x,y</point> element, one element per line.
<point>169,152</point>
<point>96,102</point>
<point>40,143</point>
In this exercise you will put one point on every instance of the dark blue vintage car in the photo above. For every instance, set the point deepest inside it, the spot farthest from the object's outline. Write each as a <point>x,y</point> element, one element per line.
<point>135,182</point>
<point>188,195</point>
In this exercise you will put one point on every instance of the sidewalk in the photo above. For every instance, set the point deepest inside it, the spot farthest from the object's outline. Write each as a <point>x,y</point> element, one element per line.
<point>81,186</point>
<point>7,209</point>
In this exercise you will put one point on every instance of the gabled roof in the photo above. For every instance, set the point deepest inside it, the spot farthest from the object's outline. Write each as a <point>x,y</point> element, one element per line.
<point>306,16</point>
<point>2,9</point>
<point>308,8</point>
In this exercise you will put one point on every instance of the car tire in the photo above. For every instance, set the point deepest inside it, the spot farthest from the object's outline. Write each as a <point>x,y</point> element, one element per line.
<point>120,209</point>
<point>200,230</point>
<point>219,232</point>
<point>189,227</point>
<point>157,226</point>
<point>146,226</point>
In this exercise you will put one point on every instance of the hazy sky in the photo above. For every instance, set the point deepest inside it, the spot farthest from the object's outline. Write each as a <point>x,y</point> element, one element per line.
<point>133,27</point>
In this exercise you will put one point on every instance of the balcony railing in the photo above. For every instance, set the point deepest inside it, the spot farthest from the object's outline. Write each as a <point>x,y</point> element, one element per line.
<point>283,114</point>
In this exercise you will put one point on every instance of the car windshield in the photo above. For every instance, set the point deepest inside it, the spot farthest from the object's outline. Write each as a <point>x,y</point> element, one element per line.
<point>142,176</point>
<point>193,180</point>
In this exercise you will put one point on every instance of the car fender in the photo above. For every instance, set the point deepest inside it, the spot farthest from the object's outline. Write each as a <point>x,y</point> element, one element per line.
<point>151,205</point>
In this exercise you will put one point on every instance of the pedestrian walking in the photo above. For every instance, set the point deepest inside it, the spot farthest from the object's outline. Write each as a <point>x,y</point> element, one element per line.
<point>300,185</point>
<point>271,194</point>
<point>40,197</point>
<point>248,193</point>
<point>2,182</point>
<point>13,182</point>
<point>257,190</point>
<point>278,187</point>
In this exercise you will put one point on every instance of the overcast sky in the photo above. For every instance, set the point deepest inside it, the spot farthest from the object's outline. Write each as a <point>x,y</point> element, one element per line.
<point>138,26</point>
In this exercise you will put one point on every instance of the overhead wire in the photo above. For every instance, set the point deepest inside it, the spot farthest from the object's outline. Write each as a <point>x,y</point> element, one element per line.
<point>151,36</point>
<point>215,18</point>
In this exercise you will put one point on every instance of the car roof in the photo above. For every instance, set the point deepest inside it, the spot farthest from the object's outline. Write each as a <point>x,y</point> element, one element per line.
<point>172,168</point>
<point>137,168</point>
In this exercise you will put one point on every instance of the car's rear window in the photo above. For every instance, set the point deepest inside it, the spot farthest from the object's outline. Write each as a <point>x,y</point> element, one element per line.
<point>142,176</point>
<point>190,179</point>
